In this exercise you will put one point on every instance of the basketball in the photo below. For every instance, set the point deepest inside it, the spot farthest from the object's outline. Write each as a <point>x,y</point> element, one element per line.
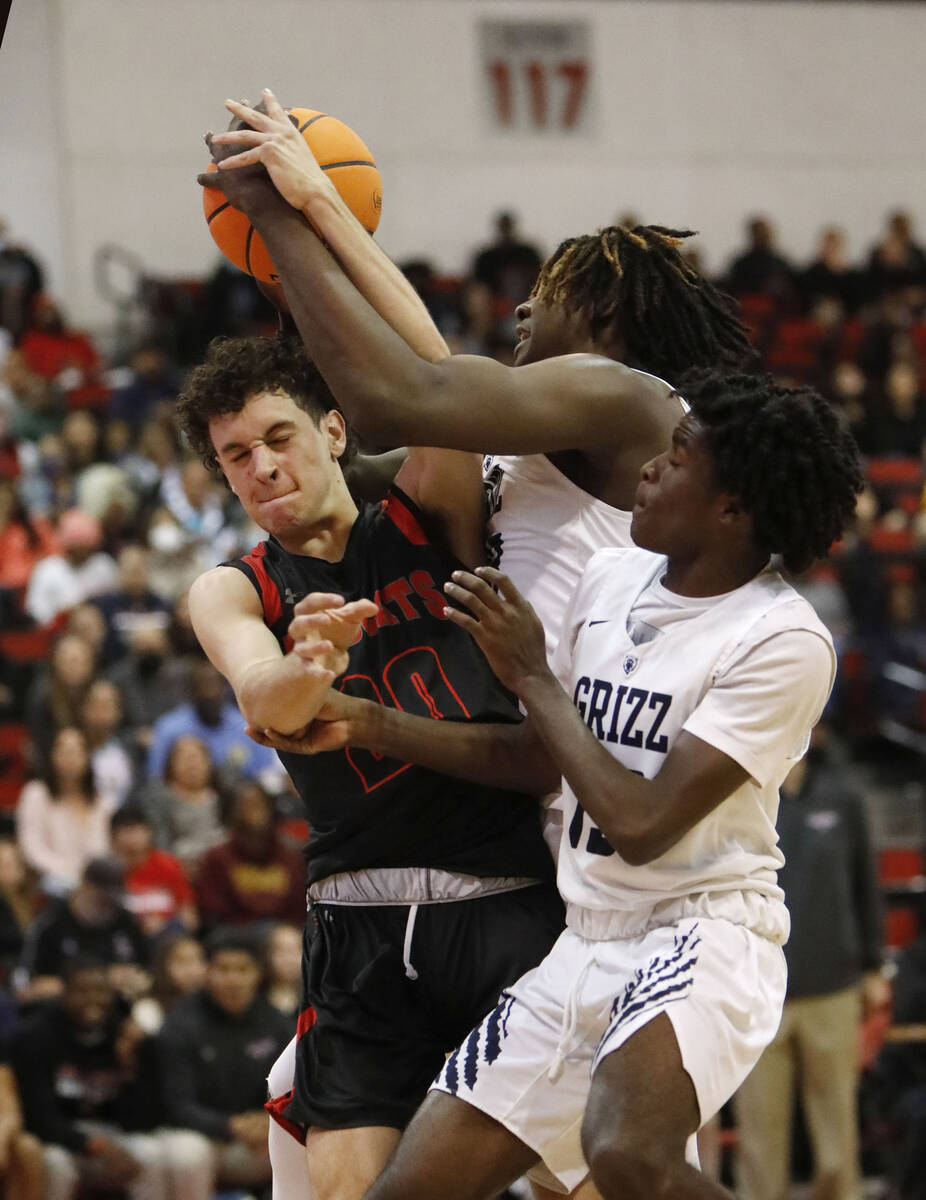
<point>341,154</point>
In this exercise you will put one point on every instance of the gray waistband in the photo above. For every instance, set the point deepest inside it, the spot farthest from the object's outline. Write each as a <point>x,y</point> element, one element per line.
<point>409,885</point>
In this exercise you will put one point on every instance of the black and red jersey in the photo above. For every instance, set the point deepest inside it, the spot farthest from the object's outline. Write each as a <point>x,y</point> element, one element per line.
<point>365,810</point>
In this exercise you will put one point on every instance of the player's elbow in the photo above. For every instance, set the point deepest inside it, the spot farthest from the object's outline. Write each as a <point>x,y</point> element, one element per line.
<point>637,843</point>
<point>635,851</point>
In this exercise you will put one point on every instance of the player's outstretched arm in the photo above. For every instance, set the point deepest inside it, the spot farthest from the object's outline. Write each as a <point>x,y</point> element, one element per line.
<point>393,396</point>
<point>502,756</point>
<point>273,690</point>
<point>274,141</point>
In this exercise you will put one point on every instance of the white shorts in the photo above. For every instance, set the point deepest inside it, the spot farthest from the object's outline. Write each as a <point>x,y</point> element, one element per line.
<point>529,1064</point>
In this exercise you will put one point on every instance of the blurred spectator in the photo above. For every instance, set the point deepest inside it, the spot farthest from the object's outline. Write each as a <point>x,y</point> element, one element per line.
<point>508,266</point>
<point>18,905</point>
<point>51,349</point>
<point>157,890</point>
<point>44,485</point>
<point>62,822</point>
<point>36,406</point>
<point>132,604</point>
<point>898,425</point>
<point>184,804</point>
<point>145,462</point>
<point>848,389</point>
<point>834,958</point>
<point>760,269</point>
<point>215,720</point>
<point>176,558</point>
<point>86,621</point>
<point>217,1047</point>
<point>283,968</point>
<point>20,282</point>
<point>21,1173</point>
<point>91,921</point>
<point>178,969</point>
<point>89,1087</point>
<point>479,319</point>
<point>113,772</point>
<point>830,275</point>
<point>152,386</point>
<point>57,696</point>
<point>151,682</point>
<point>897,263</point>
<point>253,876</point>
<point>80,572</point>
<point>82,439</point>
<point>439,295</point>
<point>861,569</point>
<point>901,640</point>
<point>23,539</point>
<point>197,503</point>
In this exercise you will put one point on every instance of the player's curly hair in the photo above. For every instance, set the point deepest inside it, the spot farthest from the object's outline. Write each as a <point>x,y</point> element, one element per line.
<point>237,369</point>
<point>637,283</point>
<point>785,454</point>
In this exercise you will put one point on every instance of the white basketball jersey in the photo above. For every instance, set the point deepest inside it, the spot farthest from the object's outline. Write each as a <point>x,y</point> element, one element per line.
<point>748,672</point>
<point>543,529</point>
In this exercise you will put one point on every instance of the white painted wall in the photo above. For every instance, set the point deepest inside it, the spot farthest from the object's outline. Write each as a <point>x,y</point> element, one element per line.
<point>709,111</point>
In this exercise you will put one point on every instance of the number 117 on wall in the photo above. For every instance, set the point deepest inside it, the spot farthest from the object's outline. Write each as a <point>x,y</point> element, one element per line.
<point>536,77</point>
<point>552,95</point>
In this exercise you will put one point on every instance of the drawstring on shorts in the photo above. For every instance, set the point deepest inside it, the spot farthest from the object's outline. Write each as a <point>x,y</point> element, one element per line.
<point>569,1023</point>
<point>410,971</point>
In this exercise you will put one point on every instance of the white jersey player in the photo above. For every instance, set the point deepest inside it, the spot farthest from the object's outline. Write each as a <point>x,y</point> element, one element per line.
<point>693,674</point>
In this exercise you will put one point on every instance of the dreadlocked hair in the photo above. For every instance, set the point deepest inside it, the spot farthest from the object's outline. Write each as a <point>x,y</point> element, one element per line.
<point>636,284</point>
<point>785,454</point>
<point>237,369</point>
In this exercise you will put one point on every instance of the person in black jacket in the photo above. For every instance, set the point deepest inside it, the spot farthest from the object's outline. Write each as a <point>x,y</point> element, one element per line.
<point>216,1048</point>
<point>89,1092</point>
<point>92,920</point>
<point>834,957</point>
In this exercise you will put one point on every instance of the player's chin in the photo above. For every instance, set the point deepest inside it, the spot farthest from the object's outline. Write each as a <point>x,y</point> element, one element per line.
<point>641,531</point>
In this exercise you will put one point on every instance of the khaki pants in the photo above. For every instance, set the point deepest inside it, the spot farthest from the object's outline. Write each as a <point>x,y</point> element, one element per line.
<point>175,1164</point>
<point>815,1051</point>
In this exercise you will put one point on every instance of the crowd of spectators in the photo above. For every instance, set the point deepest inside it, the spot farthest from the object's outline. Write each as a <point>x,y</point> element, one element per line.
<point>151,887</point>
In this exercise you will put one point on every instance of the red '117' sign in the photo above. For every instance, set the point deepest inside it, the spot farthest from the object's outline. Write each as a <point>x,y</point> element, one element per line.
<point>544,85</point>
<point>539,75</point>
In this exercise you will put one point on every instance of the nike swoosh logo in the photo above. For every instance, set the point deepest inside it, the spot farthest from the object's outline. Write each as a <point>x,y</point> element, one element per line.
<point>602,622</point>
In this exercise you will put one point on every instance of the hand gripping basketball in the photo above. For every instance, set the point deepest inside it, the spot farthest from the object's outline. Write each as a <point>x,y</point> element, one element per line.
<point>330,153</point>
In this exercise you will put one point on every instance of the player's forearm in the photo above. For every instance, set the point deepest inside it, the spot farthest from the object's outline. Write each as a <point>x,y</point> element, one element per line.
<point>375,275</point>
<point>378,380</point>
<point>622,804</point>
<point>279,694</point>
<point>493,755</point>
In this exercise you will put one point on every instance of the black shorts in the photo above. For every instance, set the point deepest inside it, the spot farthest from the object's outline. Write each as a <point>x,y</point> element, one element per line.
<point>379,1038</point>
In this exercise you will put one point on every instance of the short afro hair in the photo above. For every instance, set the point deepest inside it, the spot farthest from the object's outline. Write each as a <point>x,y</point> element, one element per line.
<point>785,454</point>
<point>237,369</point>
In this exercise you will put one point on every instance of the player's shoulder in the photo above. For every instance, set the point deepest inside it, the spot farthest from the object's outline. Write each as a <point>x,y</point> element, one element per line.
<point>787,609</point>
<point>783,622</point>
<point>225,583</point>
<point>609,375</point>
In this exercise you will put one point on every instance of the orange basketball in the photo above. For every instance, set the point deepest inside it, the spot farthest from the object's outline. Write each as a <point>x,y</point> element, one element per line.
<point>340,153</point>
